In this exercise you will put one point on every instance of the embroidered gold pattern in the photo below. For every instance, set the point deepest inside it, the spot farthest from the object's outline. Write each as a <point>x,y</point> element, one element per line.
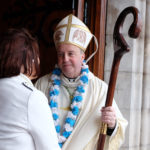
<point>58,35</point>
<point>65,108</point>
<point>80,36</point>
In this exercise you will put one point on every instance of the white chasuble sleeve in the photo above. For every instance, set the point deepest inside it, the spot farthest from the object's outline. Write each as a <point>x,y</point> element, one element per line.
<point>118,136</point>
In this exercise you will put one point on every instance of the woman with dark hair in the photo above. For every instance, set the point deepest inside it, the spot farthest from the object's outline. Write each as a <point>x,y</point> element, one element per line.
<point>25,118</point>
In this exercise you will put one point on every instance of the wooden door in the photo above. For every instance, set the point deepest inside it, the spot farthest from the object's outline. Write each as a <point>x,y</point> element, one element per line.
<point>41,16</point>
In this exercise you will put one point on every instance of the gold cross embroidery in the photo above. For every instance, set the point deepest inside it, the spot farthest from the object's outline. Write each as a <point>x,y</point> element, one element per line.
<point>65,108</point>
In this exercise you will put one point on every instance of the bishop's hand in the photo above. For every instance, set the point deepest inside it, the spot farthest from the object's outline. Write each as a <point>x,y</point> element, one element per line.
<point>109,116</point>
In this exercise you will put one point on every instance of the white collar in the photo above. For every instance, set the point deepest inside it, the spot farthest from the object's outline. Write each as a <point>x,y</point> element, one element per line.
<point>26,79</point>
<point>69,83</point>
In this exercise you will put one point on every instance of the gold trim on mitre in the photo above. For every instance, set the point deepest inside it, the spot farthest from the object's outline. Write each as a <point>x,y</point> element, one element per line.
<point>68,28</point>
<point>68,42</point>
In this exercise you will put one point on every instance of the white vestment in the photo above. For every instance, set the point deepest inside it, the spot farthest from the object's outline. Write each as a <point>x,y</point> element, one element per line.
<point>86,130</point>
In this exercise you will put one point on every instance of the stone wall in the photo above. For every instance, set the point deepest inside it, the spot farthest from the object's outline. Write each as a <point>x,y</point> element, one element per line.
<point>132,92</point>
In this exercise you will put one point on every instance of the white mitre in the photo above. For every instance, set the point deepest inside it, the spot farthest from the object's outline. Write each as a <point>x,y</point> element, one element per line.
<point>72,30</point>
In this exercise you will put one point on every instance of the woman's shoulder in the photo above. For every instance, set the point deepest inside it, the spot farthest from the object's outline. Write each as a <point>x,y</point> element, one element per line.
<point>37,95</point>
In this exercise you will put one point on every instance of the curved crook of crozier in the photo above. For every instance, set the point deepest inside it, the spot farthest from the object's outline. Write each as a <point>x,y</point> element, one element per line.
<point>120,45</point>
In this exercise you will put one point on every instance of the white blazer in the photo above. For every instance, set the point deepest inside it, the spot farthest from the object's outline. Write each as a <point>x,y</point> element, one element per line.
<point>25,118</point>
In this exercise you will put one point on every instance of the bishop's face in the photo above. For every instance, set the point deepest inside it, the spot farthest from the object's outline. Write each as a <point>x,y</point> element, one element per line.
<point>70,59</point>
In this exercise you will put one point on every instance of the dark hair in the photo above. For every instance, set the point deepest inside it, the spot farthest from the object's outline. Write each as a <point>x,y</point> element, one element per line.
<point>18,48</point>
